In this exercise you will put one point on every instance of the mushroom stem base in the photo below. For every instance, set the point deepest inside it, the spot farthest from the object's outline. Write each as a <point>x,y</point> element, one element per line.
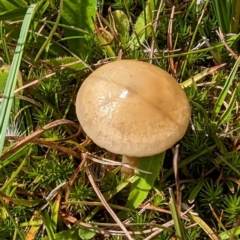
<point>131,161</point>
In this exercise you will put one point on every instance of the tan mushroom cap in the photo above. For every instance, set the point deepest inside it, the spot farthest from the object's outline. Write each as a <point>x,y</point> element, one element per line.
<point>132,108</point>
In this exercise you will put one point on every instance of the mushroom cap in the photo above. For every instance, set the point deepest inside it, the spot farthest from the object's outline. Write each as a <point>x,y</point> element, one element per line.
<point>132,108</point>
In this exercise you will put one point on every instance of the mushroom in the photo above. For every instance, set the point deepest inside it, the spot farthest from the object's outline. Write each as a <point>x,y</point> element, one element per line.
<point>132,108</point>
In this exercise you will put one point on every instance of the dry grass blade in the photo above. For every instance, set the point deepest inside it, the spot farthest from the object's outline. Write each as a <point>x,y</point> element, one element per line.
<point>34,135</point>
<point>113,163</point>
<point>212,235</point>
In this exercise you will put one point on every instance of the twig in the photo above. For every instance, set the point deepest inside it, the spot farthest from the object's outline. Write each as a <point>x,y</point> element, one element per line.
<point>221,36</point>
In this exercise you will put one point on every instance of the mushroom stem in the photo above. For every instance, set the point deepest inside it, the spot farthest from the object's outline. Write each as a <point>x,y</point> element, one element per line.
<point>131,161</point>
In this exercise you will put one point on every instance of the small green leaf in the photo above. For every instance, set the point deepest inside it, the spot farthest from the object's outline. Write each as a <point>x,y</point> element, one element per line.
<point>143,26</point>
<point>79,13</point>
<point>143,182</point>
<point>230,234</point>
<point>69,61</point>
<point>48,225</point>
<point>227,113</point>
<point>224,91</point>
<point>74,233</point>
<point>180,230</point>
<point>120,23</point>
<point>86,234</point>
<point>4,72</point>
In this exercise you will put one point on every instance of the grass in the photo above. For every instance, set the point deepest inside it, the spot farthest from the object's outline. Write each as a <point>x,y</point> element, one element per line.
<point>55,183</point>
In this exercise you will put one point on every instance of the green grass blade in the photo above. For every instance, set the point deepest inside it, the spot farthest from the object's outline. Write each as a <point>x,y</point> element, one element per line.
<point>7,5</point>
<point>49,225</point>
<point>12,14</point>
<point>55,211</point>
<point>6,104</point>
<point>144,182</point>
<point>5,206</point>
<point>179,228</point>
<point>196,190</point>
<point>14,157</point>
<point>224,91</point>
<point>235,19</point>
<point>227,113</point>
<point>47,41</point>
<point>229,164</point>
<point>222,13</point>
<point>189,160</point>
<point>14,174</point>
<point>201,111</point>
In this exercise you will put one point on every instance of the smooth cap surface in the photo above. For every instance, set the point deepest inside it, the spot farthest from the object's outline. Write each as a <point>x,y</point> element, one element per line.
<point>132,108</point>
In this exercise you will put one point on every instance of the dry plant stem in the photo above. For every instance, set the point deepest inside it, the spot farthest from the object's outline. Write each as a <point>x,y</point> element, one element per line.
<point>131,161</point>
<point>170,44</point>
<point>176,175</point>
<point>73,179</point>
<point>156,24</point>
<point>217,218</point>
<point>106,205</point>
<point>93,227</point>
<point>106,161</point>
<point>221,36</point>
